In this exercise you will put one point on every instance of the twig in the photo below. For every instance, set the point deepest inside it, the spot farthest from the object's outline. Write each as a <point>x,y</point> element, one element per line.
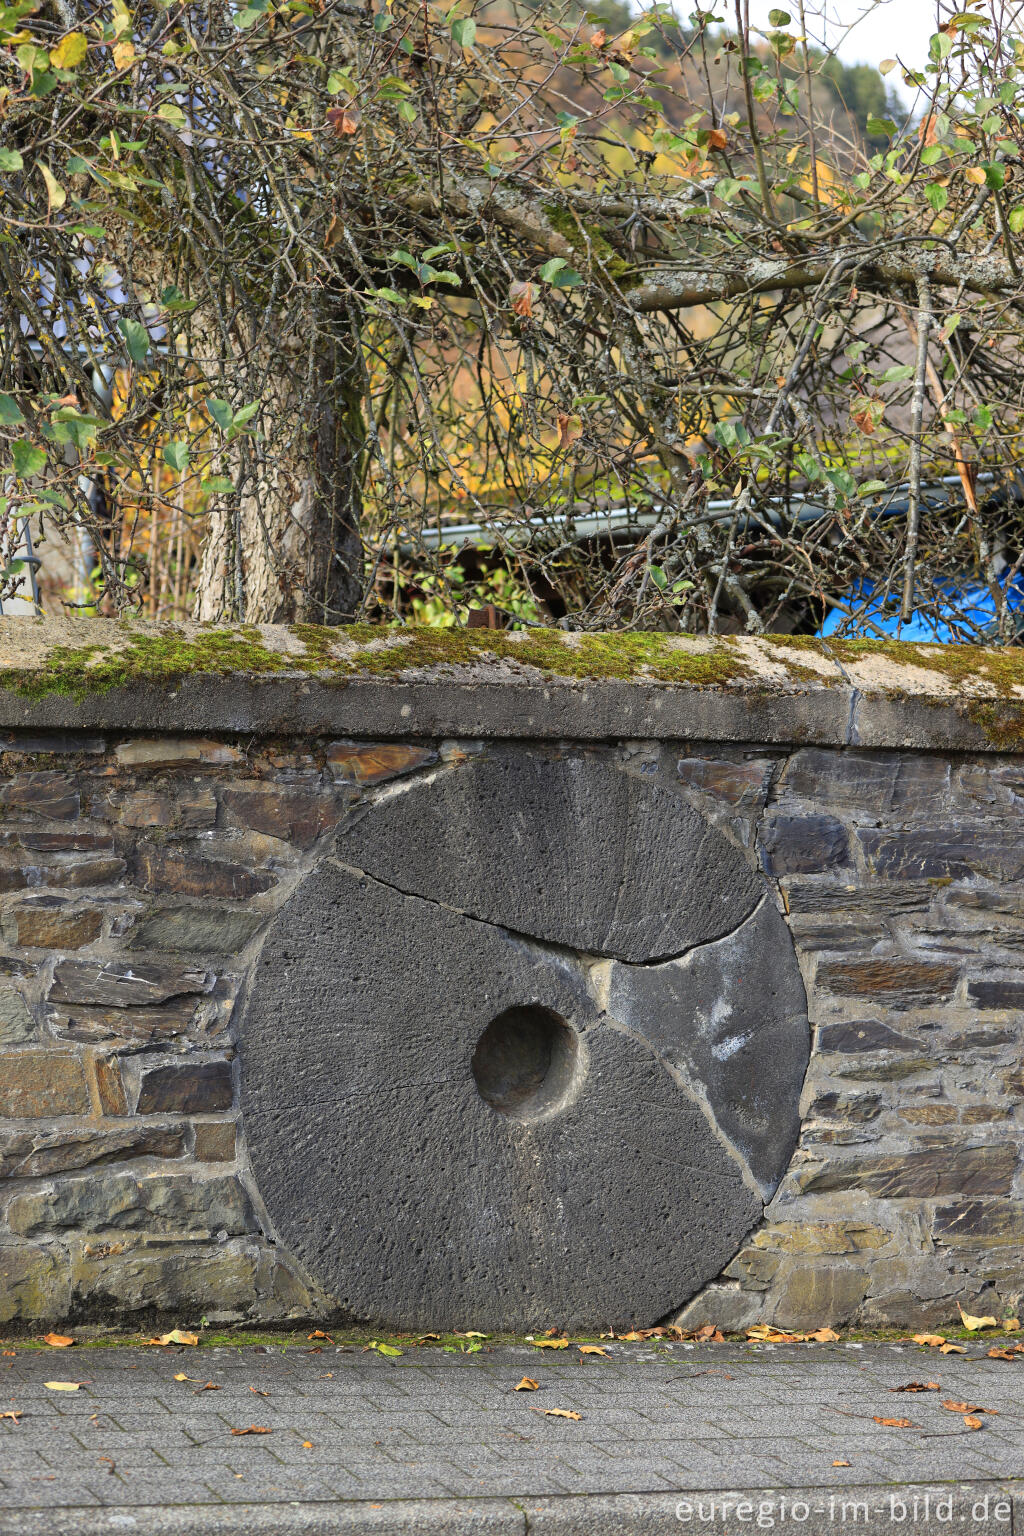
<point>924,323</point>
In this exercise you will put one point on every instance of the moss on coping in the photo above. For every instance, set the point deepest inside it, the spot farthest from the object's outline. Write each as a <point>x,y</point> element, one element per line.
<point>163,658</point>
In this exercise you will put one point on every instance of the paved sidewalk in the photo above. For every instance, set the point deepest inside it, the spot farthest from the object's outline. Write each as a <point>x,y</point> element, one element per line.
<point>672,1437</point>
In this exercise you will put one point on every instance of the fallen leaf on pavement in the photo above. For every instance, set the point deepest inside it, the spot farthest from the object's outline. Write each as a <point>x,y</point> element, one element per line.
<point>594,1349</point>
<point>823,1336</point>
<point>307,1445</point>
<point>895,1423</point>
<point>318,1333</point>
<point>840,1463</point>
<point>259,1392</point>
<point>14,1414</point>
<point>558,1413</point>
<point>933,1340</point>
<point>967,1407</point>
<point>972,1422</point>
<point>382,1349</point>
<point>176,1336</point>
<point>1003,1354</point>
<point>972,1324</point>
<point>62,1386</point>
<point>254,1429</point>
<point>209,1386</point>
<point>917,1386</point>
<point>180,1376</point>
<point>57,1340</point>
<point>471,1335</point>
<point>952,1349</point>
<point>551,1343</point>
<point>526,1385</point>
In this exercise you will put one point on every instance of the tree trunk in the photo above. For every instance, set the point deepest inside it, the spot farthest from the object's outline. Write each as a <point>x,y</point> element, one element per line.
<point>290,550</point>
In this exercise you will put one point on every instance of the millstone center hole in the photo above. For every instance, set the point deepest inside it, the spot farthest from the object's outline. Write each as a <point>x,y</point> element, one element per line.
<point>526,1062</point>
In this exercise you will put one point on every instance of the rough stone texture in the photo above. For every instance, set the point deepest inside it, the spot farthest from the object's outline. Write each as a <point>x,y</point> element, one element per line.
<point>181,819</point>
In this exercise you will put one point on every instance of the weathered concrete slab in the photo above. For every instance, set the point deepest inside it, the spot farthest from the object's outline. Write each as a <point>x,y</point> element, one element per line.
<point>361,680</point>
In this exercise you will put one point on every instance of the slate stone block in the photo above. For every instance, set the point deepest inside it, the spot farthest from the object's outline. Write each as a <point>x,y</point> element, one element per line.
<point>897,982</point>
<point>803,845</point>
<point>108,1200</point>
<point>124,984</point>
<point>357,763</point>
<point>996,992</point>
<point>160,869</point>
<point>38,1154</point>
<point>185,1087</point>
<point>978,1224</point>
<point>298,816</point>
<point>16,1021</point>
<point>51,923</point>
<point>195,930</point>
<point>949,1170</point>
<point>53,796</point>
<point>864,1035</point>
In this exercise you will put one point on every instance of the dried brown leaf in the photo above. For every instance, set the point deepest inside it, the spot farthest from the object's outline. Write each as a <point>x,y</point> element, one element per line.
<point>594,1349</point>
<point>1004,1354</point>
<point>526,1385</point>
<point>319,1334</point>
<point>344,120</point>
<point>58,1340</point>
<point>894,1423</point>
<point>521,295</point>
<point>558,1413</point>
<point>253,1429</point>
<point>14,1414</point>
<point>933,1340</point>
<point>917,1386</point>
<point>952,1349</point>
<point>972,1421</point>
<point>176,1336</point>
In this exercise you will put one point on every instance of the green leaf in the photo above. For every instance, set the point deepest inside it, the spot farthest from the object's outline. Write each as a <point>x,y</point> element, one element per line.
<point>388,1349</point>
<point>10,160</point>
<point>983,418</point>
<point>881,127</point>
<point>464,32</point>
<point>779,18</point>
<point>136,338</point>
<point>221,413</point>
<point>10,414</point>
<point>995,175</point>
<point>937,196</point>
<point>217,485</point>
<point>28,459</point>
<point>246,413</point>
<point>896,374</point>
<point>176,455</point>
<point>618,71</point>
<point>870,487</point>
<point>932,154</point>
<point>1015,219</point>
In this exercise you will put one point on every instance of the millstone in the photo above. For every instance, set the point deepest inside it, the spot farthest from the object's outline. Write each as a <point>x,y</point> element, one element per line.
<point>525,1050</point>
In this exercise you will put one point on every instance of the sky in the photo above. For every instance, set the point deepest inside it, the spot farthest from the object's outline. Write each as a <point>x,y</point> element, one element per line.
<point>862,32</point>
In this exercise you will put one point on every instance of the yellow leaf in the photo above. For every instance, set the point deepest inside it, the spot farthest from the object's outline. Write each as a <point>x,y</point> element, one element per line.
<point>594,1349</point>
<point>972,1421</point>
<point>840,1463</point>
<point>70,51</point>
<point>181,1376</point>
<point>307,1445</point>
<point>471,1335</point>
<point>526,1385</point>
<point>1011,1324</point>
<point>124,54</point>
<point>551,1343</point>
<point>952,1349</point>
<point>823,1336</point>
<point>58,1340</point>
<point>175,1337</point>
<point>62,1386</point>
<point>894,1423</point>
<point>933,1340</point>
<point>972,1324</point>
<point>975,175</point>
<point>55,193</point>
<point>558,1413</point>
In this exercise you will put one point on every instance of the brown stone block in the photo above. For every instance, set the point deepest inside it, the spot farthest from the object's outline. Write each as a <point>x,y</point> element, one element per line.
<point>928,1114</point>
<point>38,1154</point>
<point>817,1295</point>
<point>37,1083</point>
<point>175,752</point>
<point>50,923</point>
<point>159,1025</point>
<point>60,842</point>
<point>110,1094</point>
<point>51,795</point>
<point>740,784</point>
<point>834,1237</point>
<point>939,1171</point>
<point>187,806</point>
<point>373,764</point>
<point>898,982</point>
<point>185,1087</point>
<point>122,984</point>
<point>215,1141</point>
<point>84,872</point>
<point>298,816</point>
<point>979,1224</point>
<point>186,875</point>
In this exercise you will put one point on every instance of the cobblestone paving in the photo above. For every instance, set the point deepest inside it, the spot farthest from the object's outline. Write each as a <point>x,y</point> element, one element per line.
<point>441,1441</point>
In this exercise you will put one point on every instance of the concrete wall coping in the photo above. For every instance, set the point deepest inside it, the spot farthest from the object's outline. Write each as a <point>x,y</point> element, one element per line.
<point>366,681</point>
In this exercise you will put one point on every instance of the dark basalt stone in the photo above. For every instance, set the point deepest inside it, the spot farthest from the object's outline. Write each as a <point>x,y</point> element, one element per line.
<point>572,851</point>
<point>460,1114</point>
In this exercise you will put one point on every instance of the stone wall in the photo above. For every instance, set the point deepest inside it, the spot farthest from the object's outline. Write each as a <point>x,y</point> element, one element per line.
<point>144,853</point>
